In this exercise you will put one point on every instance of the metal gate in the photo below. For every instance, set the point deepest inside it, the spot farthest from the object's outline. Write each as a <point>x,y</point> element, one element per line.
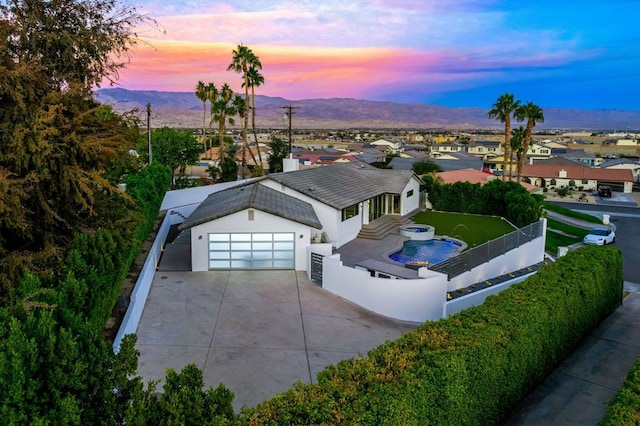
<point>316,267</point>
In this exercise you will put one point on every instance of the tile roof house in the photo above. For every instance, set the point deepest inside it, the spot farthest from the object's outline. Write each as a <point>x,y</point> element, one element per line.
<point>474,176</point>
<point>624,163</point>
<point>270,222</point>
<point>551,175</point>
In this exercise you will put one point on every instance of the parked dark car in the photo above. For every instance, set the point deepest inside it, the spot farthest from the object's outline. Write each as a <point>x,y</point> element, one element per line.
<point>604,191</point>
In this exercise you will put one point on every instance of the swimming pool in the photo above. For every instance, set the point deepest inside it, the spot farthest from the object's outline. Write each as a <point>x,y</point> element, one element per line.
<point>430,251</point>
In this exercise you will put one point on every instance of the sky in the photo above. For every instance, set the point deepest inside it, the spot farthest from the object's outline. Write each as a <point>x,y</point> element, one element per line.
<point>458,53</point>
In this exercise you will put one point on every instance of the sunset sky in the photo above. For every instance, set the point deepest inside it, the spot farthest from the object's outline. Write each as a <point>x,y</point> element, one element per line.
<point>574,54</point>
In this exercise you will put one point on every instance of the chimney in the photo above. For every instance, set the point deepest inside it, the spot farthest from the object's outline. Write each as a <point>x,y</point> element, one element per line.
<point>290,164</point>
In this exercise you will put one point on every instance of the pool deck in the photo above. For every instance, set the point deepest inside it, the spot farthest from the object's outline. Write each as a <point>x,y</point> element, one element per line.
<point>361,249</point>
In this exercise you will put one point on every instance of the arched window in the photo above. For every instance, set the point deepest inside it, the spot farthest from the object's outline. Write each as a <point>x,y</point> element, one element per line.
<point>552,182</point>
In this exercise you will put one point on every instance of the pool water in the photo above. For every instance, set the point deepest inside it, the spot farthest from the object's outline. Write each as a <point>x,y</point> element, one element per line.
<point>432,251</point>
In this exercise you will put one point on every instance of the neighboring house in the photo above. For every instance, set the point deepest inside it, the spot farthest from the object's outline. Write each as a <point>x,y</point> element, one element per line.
<point>560,161</point>
<point>474,176</point>
<point>583,157</point>
<point>542,175</point>
<point>555,147</point>
<point>446,147</point>
<point>270,222</point>
<point>322,158</point>
<point>445,164</point>
<point>485,149</point>
<point>496,164</point>
<point>624,163</point>
<point>392,147</point>
<point>538,151</point>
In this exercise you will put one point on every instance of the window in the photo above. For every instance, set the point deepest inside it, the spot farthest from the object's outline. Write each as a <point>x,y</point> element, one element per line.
<point>349,212</point>
<point>410,193</point>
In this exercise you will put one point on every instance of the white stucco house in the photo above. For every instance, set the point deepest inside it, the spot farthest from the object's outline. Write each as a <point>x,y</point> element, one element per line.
<point>269,223</point>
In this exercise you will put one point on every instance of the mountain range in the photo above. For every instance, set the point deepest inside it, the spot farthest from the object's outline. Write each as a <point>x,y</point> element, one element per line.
<point>183,109</point>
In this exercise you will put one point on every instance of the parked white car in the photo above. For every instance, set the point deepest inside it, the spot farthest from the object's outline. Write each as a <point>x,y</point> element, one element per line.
<point>600,236</point>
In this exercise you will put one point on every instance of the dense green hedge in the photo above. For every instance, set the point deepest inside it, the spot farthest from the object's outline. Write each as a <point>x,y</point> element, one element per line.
<point>496,198</point>
<point>55,367</point>
<point>624,409</point>
<point>467,369</point>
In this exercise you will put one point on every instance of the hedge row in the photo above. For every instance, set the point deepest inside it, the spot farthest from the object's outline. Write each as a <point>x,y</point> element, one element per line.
<point>624,409</point>
<point>55,367</point>
<point>468,369</point>
<point>506,199</point>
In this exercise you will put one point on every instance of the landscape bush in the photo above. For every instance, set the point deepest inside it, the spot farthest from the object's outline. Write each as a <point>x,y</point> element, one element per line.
<point>471,368</point>
<point>55,366</point>
<point>624,409</point>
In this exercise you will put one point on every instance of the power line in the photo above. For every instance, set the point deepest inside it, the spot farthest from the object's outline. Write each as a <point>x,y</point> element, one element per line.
<point>290,112</point>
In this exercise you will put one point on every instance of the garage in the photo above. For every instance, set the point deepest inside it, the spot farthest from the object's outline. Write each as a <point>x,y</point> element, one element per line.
<point>258,250</point>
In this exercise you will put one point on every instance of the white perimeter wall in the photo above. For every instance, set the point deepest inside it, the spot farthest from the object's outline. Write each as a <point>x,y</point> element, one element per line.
<point>425,299</point>
<point>416,300</point>
<point>239,222</point>
<point>526,255</point>
<point>478,297</point>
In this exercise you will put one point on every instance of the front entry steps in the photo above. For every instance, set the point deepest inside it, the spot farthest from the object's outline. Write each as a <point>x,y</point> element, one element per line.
<point>383,226</point>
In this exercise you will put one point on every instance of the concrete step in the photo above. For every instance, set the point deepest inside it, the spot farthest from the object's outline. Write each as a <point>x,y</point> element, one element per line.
<point>383,226</point>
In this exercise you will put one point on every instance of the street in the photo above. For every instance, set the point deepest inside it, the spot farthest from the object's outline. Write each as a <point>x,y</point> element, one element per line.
<point>627,221</point>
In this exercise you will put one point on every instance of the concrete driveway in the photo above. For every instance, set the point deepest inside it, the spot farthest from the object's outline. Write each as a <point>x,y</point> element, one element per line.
<point>257,332</point>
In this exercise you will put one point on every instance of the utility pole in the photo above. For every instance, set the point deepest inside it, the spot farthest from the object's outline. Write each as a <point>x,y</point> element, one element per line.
<point>290,112</point>
<point>149,129</point>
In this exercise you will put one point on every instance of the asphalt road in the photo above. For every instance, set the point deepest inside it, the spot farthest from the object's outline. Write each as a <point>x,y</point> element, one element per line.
<point>627,221</point>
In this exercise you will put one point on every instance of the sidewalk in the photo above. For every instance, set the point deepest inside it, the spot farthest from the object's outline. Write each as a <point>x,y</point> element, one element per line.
<point>579,390</point>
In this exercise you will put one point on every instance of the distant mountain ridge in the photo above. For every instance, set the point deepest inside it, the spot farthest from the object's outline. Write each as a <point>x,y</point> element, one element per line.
<point>183,109</point>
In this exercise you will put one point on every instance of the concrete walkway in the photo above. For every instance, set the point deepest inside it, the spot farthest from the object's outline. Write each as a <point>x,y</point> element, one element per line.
<point>578,391</point>
<point>258,332</point>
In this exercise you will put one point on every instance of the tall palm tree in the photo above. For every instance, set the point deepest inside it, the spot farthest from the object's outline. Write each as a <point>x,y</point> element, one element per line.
<point>255,80</point>
<point>517,145</point>
<point>242,59</point>
<point>222,111</point>
<point>238,103</point>
<point>533,114</point>
<point>212,94</point>
<point>201,94</point>
<point>502,110</point>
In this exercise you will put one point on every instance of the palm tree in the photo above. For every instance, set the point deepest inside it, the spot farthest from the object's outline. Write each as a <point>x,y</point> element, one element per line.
<point>255,80</point>
<point>238,104</point>
<point>212,94</point>
<point>517,145</point>
<point>222,111</point>
<point>533,114</point>
<point>502,110</point>
<point>242,59</point>
<point>201,94</point>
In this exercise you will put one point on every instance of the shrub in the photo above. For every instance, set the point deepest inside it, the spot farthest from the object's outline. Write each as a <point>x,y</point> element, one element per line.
<point>474,365</point>
<point>624,409</point>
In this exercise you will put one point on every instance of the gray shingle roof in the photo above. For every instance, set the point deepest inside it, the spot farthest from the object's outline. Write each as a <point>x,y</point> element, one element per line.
<point>253,195</point>
<point>342,185</point>
<point>446,164</point>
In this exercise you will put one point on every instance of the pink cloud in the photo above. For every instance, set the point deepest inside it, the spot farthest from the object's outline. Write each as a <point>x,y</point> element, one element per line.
<point>312,72</point>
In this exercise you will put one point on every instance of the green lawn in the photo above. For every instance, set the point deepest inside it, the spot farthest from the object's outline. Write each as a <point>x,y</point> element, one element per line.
<point>472,229</point>
<point>571,213</point>
<point>554,239</point>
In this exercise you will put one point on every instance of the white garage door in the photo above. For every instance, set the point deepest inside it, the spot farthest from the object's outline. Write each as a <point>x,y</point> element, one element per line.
<point>264,250</point>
